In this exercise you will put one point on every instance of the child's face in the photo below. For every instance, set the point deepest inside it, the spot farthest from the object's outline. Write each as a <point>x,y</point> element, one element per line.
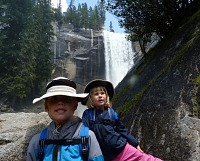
<point>98,97</point>
<point>60,108</point>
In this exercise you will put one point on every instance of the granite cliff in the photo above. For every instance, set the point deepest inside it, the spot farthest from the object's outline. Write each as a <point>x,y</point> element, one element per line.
<point>159,99</point>
<point>79,54</point>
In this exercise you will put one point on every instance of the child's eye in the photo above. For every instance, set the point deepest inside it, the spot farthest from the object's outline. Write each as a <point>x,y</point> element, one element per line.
<point>53,99</point>
<point>64,99</point>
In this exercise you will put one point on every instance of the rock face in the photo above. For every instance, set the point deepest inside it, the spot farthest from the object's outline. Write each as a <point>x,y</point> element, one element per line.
<point>79,54</point>
<point>159,99</point>
<point>16,130</point>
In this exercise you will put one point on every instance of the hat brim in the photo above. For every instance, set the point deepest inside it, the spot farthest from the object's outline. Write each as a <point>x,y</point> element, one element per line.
<point>99,83</point>
<point>80,97</point>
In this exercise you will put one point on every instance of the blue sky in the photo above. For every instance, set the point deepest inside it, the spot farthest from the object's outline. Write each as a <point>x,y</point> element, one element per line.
<point>109,17</point>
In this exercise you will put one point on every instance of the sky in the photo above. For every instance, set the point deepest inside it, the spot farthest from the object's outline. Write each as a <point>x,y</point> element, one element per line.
<point>92,3</point>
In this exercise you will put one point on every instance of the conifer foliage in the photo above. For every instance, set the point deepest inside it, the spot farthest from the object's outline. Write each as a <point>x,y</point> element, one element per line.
<point>25,56</point>
<point>84,17</point>
<point>143,18</point>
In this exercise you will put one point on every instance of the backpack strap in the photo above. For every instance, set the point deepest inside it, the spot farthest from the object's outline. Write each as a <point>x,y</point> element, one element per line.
<point>92,115</point>
<point>84,134</point>
<point>112,114</point>
<point>43,137</point>
<point>83,141</point>
<point>64,142</point>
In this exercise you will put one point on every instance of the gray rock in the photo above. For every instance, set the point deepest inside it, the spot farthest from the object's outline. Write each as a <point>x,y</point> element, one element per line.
<point>163,104</point>
<point>16,130</point>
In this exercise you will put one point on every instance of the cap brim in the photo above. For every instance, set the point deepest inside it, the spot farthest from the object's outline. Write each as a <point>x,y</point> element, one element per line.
<point>80,97</point>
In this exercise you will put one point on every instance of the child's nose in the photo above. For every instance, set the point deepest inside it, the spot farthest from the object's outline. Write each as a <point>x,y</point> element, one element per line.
<point>61,102</point>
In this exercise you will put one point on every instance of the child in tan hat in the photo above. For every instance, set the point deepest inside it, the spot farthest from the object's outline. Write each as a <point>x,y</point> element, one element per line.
<point>65,138</point>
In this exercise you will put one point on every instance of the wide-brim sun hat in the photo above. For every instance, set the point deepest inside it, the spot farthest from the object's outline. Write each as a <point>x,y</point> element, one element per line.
<point>61,86</point>
<point>99,83</point>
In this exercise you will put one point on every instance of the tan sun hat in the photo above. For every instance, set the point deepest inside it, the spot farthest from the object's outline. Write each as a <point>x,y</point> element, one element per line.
<point>99,83</point>
<point>61,86</point>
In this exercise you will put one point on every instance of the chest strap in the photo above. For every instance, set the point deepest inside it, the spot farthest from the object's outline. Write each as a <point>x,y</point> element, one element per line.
<point>65,142</point>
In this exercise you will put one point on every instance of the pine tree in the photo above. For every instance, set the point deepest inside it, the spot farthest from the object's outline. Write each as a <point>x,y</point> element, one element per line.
<point>84,15</point>
<point>111,27</point>
<point>13,76</point>
<point>42,31</point>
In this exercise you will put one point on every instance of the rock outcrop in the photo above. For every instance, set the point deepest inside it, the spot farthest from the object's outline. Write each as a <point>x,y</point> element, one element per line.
<point>79,54</point>
<point>159,98</point>
<point>16,130</point>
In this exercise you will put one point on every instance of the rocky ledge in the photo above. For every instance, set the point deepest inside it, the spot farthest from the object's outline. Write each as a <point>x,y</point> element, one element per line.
<point>16,130</point>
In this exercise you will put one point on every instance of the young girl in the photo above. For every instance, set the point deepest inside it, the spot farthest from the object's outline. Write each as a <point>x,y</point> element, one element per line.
<point>116,143</point>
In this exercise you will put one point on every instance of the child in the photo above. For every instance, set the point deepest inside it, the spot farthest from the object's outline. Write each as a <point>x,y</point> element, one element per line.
<point>65,138</point>
<point>116,143</point>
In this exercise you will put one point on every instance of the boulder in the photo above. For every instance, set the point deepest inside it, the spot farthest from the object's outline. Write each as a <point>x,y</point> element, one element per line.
<point>16,130</point>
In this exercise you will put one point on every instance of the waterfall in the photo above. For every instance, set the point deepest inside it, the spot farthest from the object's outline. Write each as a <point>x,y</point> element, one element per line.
<point>92,38</point>
<point>119,56</point>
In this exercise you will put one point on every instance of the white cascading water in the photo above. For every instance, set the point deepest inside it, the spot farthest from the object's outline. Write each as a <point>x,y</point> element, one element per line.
<point>119,56</point>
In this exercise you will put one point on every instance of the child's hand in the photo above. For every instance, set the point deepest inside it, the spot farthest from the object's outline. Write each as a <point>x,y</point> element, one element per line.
<point>138,148</point>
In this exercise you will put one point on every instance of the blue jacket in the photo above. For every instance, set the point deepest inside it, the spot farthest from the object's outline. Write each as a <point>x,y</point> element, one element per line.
<point>112,138</point>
